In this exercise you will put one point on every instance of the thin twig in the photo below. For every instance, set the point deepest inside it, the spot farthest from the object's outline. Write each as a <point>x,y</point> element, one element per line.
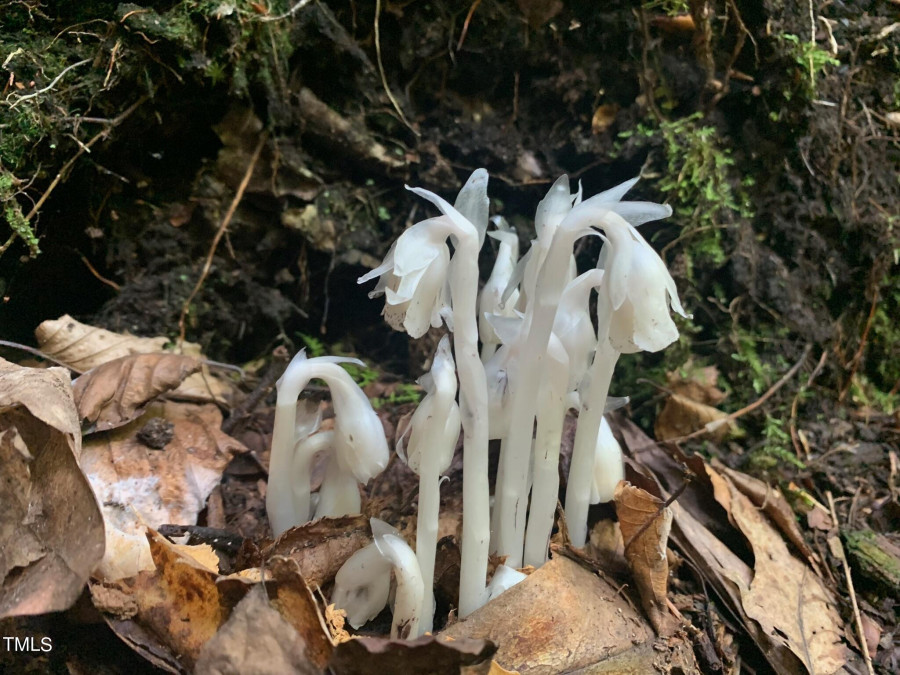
<point>49,86</point>
<point>276,368</point>
<point>81,150</point>
<point>109,282</point>
<point>38,353</point>
<point>384,83</point>
<point>688,477</point>
<point>251,165</point>
<point>716,424</point>
<point>465,28</point>
<point>293,10</point>
<point>849,577</point>
<point>857,357</point>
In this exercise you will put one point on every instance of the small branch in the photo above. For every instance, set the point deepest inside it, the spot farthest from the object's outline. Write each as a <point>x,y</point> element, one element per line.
<point>39,354</point>
<point>109,282</point>
<point>384,83</point>
<point>849,577</point>
<point>293,10</point>
<point>276,368</point>
<point>712,426</point>
<point>251,165</point>
<point>49,86</point>
<point>81,150</point>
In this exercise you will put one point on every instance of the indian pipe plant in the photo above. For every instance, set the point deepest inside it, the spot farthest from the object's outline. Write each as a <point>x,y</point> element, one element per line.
<point>524,351</point>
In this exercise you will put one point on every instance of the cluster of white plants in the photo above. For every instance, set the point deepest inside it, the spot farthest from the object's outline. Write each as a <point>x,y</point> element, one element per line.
<point>526,351</point>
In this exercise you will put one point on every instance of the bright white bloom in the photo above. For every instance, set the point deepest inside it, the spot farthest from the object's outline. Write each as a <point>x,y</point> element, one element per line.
<point>410,590</point>
<point>640,290</point>
<point>413,278</point>
<point>359,442</point>
<point>609,468</point>
<point>435,425</point>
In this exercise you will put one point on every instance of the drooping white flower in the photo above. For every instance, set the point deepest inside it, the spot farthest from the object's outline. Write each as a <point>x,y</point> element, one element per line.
<point>359,444</point>
<point>640,291</point>
<point>413,278</point>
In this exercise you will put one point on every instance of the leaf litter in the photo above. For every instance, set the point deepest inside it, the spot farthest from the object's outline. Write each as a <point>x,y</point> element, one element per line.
<point>154,459</point>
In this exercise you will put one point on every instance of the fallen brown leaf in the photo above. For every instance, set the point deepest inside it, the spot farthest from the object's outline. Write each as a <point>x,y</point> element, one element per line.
<point>681,416</point>
<point>296,603</point>
<point>179,607</point>
<point>790,603</point>
<point>83,347</point>
<point>256,640</point>
<point>773,504</point>
<point>561,618</point>
<point>139,486</point>
<point>732,579</point>
<point>645,526</point>
<point>320,547</point>
<point>116,392</point>
<point>426,654</point>
<point>51,531</point>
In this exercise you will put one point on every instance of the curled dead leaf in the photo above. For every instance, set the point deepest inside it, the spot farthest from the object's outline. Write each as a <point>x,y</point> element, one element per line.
<point>116,392</point>
<point>681,416</point>
<point>83,347</point>
<point>51,531</point>
<point>791,605</point>
<point>177,607</point>
<point>320,547</point>
<point>645,522</point>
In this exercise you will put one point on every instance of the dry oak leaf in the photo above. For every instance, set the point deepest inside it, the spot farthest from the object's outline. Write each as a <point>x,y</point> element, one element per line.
<point>117,392</point>
<point>681,416</point>
<point>51,531</point>
<point>256,640</point>
<point>792,606</point>
<point>141,487</point>
<point>645,525</point>
<point>294,599</point>
<point>560,618</point>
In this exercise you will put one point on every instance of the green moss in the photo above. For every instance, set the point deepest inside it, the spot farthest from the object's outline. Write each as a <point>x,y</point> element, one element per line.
<point>775,450</point>
<point>698,178</point>
<point>12,213</point>
<point>811,59</point>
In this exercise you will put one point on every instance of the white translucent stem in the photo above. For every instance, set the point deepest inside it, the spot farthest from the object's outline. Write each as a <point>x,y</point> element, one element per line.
<point>339,494</point>
<point>473,403</point>
<point>545,488</point>
<point>410,586</point>
<point>581,469</point>
<point>279,495</point>
<point>426,532</point>
<point>304,452</point>
<point>512,494</point>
